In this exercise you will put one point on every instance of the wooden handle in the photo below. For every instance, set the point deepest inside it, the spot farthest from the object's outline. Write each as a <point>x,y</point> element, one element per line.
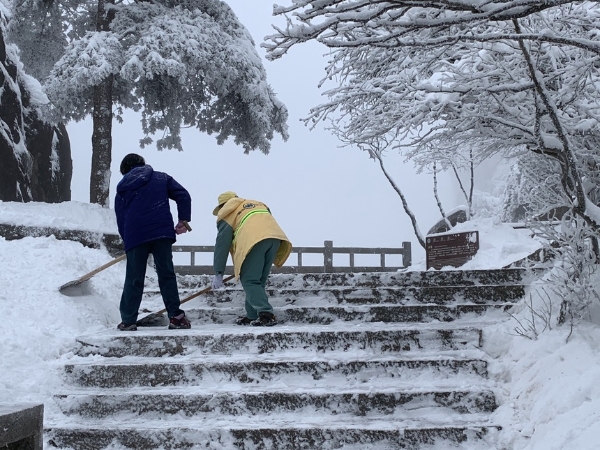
<point>203,291</point>
<point>187,225</point>
<point>101,268</point>
<point>87,276</point>
<point>152,316</point>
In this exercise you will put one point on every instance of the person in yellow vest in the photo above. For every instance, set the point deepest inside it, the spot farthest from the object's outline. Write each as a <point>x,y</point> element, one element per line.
<point>247,230</point>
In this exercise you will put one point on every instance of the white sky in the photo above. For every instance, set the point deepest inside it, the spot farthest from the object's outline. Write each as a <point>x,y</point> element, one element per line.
<point>316,190</point>
<point>547,389</point>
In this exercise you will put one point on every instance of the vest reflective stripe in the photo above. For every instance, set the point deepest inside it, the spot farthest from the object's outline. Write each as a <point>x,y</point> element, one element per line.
<point>251,213</point>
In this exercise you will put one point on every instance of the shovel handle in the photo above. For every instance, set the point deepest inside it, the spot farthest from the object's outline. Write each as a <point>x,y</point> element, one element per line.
<point>152,316</point>
<point>87,276</point>
<point>108,264</point>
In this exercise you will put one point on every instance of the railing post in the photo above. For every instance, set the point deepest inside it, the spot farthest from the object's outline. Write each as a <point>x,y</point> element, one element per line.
<point>382,260</point>
<point>328,257</point>
<point>407,256</point>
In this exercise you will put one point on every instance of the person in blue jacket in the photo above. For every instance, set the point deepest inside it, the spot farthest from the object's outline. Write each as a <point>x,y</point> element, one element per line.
<point>146,226</point>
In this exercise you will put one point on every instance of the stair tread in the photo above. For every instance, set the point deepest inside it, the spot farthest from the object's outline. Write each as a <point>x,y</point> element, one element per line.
<point>397,388</point>
<point>300,356</point>
<point>350,307</point>
<point>406,277</point>
<point>238,288</point>
<point>443,419</point>
<point>225,329</point>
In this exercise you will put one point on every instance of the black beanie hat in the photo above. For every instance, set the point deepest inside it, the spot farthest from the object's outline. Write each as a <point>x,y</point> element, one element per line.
<point>130,161</point>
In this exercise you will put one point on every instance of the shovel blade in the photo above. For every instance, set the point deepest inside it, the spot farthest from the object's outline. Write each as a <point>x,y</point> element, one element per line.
<point>76,288</point>
<point>153,320</point>
<point>71,288</point>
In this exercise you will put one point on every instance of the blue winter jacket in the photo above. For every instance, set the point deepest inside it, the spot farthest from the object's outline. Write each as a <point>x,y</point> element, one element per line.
<point>142,206</point>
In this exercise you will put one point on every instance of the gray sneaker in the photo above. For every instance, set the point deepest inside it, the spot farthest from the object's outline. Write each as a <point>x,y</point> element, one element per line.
<point>124,327</point>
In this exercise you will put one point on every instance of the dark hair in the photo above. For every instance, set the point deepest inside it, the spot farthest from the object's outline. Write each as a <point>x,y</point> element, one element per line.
<point>130,161</point>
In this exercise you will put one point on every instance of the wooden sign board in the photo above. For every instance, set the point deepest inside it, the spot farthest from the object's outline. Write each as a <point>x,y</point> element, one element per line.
<point>453,249</point>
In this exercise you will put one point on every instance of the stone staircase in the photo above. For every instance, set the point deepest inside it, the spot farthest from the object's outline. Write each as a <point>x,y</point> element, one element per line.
<point>358,361</point>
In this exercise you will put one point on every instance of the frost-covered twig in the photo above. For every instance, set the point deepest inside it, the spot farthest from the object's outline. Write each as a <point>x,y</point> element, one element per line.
<point>528,327</point>
<point>437,197</point>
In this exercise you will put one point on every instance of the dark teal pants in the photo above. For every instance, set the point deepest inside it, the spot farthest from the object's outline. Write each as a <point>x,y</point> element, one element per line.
<point>254,274</point>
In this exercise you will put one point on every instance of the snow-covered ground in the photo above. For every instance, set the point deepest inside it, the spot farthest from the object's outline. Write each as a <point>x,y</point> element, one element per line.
<point>551,394</point>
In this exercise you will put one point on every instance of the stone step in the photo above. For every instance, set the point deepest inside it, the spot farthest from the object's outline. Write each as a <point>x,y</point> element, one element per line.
<point>385,279</point>
<point>331,314</point>
<point>347,367</point>
<point>242,373</point>
<point>200,406</point>
<point>446,295</point>
<point>379,338</point>
<point>294,434</point>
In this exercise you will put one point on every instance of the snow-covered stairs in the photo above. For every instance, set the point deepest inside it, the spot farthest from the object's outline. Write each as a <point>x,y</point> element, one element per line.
<point>359,361</point>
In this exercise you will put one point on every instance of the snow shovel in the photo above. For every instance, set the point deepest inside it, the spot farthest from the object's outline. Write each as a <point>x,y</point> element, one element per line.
<point>150,317</point>
<point>75,288</point>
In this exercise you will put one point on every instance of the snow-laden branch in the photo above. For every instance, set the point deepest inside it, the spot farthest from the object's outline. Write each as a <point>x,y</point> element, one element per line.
<point>339,24</point>
<point>447,78</point>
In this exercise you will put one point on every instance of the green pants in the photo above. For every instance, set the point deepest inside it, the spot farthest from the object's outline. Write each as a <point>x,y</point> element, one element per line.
<point>254,274</point>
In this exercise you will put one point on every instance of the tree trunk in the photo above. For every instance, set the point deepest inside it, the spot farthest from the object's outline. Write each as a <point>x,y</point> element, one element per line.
<point>102,123</point>
<point>101,143</point>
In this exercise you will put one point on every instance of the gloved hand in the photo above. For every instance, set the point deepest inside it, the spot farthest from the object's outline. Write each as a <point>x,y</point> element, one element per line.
<point>180,228</point>
<point>217,282</point>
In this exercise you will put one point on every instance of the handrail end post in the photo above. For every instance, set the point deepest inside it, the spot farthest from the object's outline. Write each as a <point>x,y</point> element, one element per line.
<point>407,255</point>
<point>328,256</point>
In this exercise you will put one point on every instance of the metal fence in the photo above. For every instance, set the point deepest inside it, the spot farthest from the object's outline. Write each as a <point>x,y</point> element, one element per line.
<point>328,251</point>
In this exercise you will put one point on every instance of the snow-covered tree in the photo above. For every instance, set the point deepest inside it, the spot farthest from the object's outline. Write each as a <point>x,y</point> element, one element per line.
<point>450,77</point>
<point>40,30</point>
<point>178,62</point>
<point>533,190</point>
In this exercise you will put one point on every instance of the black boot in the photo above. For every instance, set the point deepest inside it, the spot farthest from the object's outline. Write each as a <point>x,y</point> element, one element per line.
<point>265,319</point>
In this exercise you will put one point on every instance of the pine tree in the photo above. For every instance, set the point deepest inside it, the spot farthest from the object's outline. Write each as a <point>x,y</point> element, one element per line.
<point>177,62</point>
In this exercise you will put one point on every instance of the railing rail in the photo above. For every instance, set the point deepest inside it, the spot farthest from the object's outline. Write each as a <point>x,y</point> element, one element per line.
<point>328,251</point>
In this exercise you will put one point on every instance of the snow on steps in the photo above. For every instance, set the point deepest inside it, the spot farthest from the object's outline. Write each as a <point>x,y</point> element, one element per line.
<point>315,434</point>
<point>352,366</point>
<point>266,371</point>
<point>201,406</point>
<point>375,338</point>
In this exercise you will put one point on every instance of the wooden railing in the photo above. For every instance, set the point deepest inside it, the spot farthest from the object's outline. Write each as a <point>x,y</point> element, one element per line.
<point>328,251</point>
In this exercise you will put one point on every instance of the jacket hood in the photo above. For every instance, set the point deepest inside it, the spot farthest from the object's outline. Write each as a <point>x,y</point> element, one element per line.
<point>135,178</point>
<point>230,206</point>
